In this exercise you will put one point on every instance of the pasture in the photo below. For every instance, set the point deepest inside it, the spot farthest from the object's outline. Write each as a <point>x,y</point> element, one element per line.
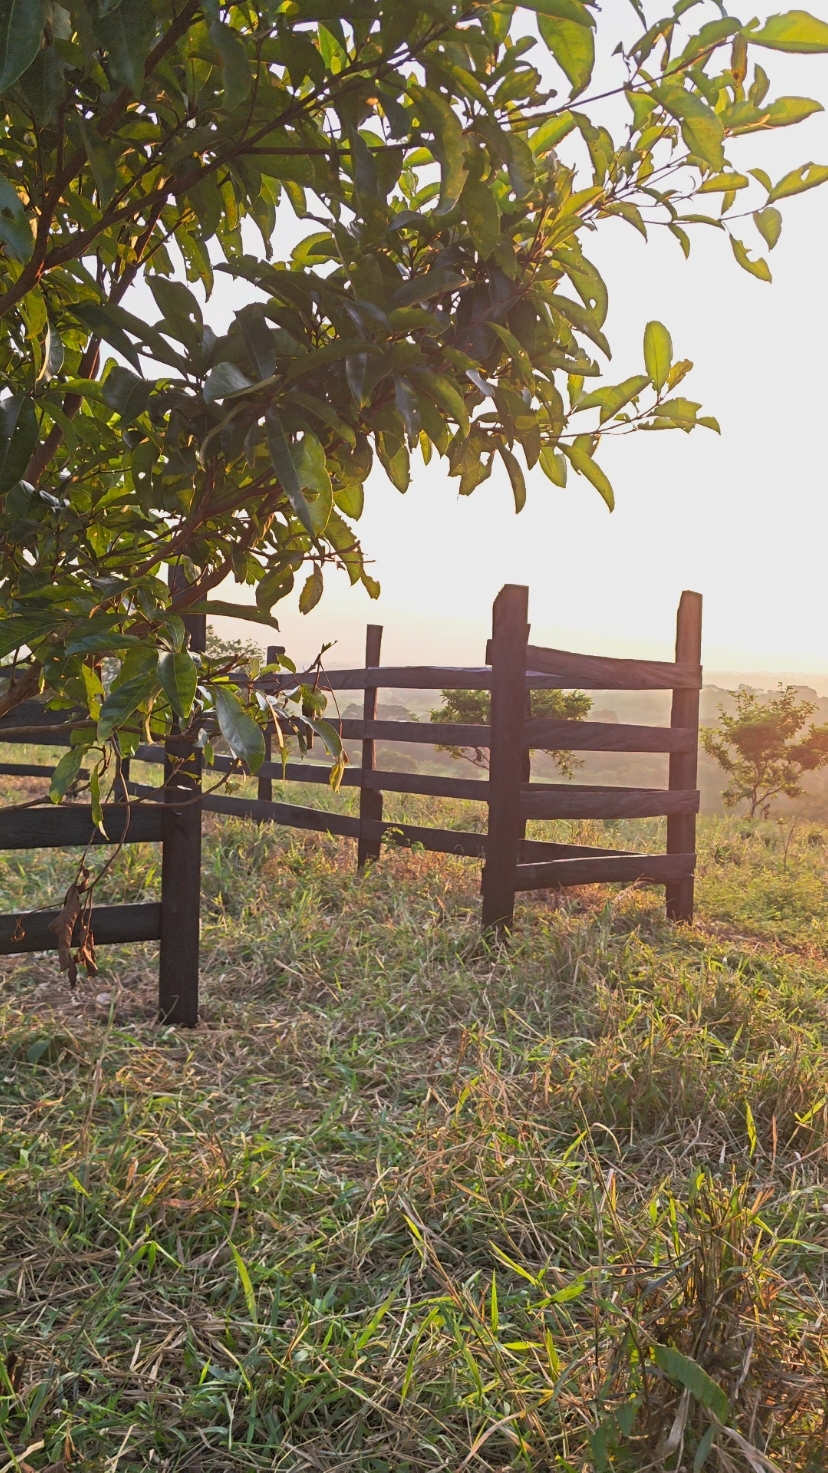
<point>406,1200</point>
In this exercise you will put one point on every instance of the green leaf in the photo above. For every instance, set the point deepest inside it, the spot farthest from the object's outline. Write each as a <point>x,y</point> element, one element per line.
<point>15,230</point>
<point>100,321</point>
<point>788,110</point>
<point>571,10</point>
<point>101,642</point>
<point>24,629</point>
<point>658,353</point>
<point>21,28</point>
<point>703,1448</point>
<point>123,700</point>
<point>18,437</point>
<point>807,176</point>
<point>223,381</point>
<point>179,677</point>
<point>723,183</point>
<point>311,467</point>
<point>101,162</point>
<point>573,46</point>
<point>95,796</point>
<point>551,133</point>
<point>258,340</point>
<point>751,1128</point>
<point>515,476</point>
<point>689,1374</point>
<point>396,466</point>
<point>408,406</point>
<point>611,399</point>
<point>710,36</point>
<point>127,31</point>
<point>235,66</point>
<point>65,773</point>
<point>520,357</point>
<point>759,268</point>
<point>242,734</point>
<point>769,224</point>
<point>126,393</point>
<point>312,591</point>
<point>445,395</point>
<point>794,31</point>
<point>285,468</point>
<point>580,318</point>
<point>449,142</point>
<point>479,209</point>
<point>95,695</point>
<point>701,129</point>
<point>351,499</point>
<point>247,1286</point>
<point>520,165</point>
<point>219,607</point>
<point>553,465</point>
<point>582,462</point>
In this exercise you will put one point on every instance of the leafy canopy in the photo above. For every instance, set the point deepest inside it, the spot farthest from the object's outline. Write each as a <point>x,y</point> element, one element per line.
<point>757,750</point>
<point>441,301</point>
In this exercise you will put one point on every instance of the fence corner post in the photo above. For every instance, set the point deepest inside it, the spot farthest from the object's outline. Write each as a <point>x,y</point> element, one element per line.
<point>370,799</point>
<point>178,961</point>
<point>681,827</point>
<point>264,790</point>
<point>510,633</point>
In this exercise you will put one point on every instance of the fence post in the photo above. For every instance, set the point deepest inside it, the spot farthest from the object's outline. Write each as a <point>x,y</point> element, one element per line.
<point>370,800</point>
<point>510,633</point>
<point>181,865</point>
<point>265,789</point>
<point>681,828</point>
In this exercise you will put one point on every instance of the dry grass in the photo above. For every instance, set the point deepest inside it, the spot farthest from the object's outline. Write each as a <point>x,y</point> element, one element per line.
<point>405,1202</point>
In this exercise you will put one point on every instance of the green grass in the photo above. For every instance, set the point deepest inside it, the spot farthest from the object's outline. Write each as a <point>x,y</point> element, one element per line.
<point>407,1202</point>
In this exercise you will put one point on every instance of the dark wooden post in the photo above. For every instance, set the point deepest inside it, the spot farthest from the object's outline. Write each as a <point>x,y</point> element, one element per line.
<point>681,828</point>
<point>370,800</point>
<point>265,792</point>
<point>510,633</point>
<point>181,865</point>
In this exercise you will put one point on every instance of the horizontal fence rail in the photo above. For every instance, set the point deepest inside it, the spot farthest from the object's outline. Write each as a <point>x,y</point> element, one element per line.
<point>628,869</point>
<point>568,800</point>
<point>112,924</point>
<point>596,672</point>
<point>427,733</point>
<point>67,826</point>
<point>605,736</point>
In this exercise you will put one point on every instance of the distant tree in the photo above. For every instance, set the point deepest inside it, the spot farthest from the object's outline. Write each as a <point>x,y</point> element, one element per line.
<point>755,747</point>
<point>473,708</point>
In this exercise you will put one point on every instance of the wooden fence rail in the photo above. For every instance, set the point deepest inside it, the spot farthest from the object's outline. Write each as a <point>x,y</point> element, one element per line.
<point>170,813</point>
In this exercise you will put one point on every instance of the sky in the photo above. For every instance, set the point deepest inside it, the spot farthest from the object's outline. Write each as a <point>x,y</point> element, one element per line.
<point>742,518</point>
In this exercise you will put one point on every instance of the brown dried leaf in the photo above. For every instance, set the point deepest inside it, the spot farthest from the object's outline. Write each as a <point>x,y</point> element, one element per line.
<point>85,955</point>
<point>63,925</point>
<point>14,1370</point>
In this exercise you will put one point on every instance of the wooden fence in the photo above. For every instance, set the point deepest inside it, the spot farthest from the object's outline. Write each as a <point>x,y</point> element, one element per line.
<point>171,812</point>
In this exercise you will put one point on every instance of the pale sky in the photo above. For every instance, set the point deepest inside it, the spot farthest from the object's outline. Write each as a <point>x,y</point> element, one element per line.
<point>742,518</point>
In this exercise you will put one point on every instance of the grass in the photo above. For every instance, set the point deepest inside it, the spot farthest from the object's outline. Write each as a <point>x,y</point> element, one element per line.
<point>407,1202</point>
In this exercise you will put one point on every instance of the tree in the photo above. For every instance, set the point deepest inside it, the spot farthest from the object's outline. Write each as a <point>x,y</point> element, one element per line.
<point>755,747</point>
<point>474,707</point>
<point>442,299</point>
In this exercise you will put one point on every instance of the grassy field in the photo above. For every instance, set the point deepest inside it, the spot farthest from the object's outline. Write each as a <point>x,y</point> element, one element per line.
<point>407,1202</point>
